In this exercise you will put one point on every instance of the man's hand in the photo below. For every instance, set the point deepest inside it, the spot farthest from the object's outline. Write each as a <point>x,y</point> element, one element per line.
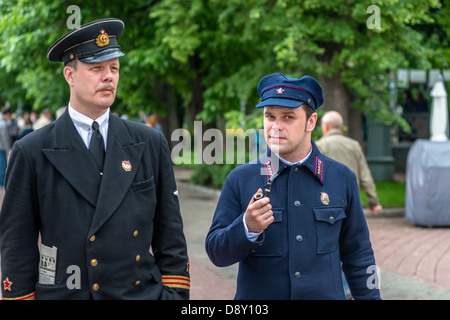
<point>375,209</point>
<point>258,215</point>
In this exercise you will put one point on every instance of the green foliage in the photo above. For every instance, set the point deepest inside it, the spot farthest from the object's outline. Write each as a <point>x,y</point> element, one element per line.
<point>391,194</point>
<point>227,46</point>
<point>211,175</point>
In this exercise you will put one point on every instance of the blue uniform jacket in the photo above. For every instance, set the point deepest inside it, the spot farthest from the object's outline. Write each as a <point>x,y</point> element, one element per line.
<point>318,223</point>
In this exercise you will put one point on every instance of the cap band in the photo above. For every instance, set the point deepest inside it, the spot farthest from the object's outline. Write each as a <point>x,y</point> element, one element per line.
<point>287,87</point>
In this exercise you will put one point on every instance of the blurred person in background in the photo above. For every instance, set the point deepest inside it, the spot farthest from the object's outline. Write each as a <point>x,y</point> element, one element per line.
<point>348,151</point>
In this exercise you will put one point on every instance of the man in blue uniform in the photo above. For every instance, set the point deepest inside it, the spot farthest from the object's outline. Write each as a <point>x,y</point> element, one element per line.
<point>99,191</point>
<point>290,242</point>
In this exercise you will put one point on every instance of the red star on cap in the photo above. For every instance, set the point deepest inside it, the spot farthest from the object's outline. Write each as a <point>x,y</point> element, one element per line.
<point>280,90</point>
<point>7,284</point>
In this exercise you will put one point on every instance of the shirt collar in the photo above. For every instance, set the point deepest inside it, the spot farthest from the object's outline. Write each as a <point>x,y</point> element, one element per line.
<point>288,163</point>
<point>313,161</point>
<point>85,122</point>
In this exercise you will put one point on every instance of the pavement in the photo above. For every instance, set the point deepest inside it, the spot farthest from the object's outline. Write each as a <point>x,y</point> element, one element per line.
<point>414,261</point>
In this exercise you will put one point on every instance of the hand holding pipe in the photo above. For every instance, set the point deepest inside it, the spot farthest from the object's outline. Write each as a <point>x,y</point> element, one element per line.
<point>259,195</point>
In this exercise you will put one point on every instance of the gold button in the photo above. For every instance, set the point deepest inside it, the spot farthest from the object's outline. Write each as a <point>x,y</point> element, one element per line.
<point>95,286</point>
<point>135,233</point>
<point>94,262</point>
<point>138,257</point>
<point>137,282</point>
<point>72,56</point>
<point>92,238</point>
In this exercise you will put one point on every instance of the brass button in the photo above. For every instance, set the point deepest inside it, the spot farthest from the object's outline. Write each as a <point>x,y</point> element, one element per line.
<point>137,282</point>
<point>95,286</point>
<point>94,262</point>
<point>138,257</point>
<point>135,233</point>
<point>92,238</point>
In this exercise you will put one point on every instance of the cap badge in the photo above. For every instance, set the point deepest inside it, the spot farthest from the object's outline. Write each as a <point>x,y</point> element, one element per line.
<point>280,90</point>
<point>324,198</point>
<point>126,165</point>
<point>102,39</point>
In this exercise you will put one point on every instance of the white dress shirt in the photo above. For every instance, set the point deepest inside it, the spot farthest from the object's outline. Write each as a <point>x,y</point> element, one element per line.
<point>83,124</point>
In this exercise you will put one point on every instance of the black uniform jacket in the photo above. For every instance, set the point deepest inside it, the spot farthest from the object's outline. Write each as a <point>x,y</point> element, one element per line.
<point>119,234</point>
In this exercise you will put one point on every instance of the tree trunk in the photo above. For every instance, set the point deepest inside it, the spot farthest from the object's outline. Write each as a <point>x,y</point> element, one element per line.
<point>337,98</point>
<point>170,122</point>
<point>196,104</point>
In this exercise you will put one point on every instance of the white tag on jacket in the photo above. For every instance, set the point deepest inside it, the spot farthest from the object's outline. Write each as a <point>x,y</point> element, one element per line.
<point>47,265</point>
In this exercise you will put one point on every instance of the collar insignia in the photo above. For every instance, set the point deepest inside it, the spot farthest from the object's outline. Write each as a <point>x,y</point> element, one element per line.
<point>318,172</point>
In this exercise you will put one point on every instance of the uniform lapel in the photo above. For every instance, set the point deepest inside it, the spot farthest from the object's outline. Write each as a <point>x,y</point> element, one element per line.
<point>116,179</point>
<point>71,158</point>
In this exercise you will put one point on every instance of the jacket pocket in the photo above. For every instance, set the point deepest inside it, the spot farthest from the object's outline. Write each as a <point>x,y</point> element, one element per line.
<point>272,244</point>
<point>328,227</point>
<point>143,185</point>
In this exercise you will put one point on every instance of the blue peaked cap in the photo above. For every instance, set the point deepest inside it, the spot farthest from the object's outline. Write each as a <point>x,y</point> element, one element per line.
<point>278,90</point>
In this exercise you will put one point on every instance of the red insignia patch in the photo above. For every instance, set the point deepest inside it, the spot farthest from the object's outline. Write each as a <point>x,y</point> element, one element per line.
<point>7,284</point>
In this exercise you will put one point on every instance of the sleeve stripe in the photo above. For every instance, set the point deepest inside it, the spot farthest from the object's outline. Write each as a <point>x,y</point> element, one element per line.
<point>176,282</point>
<point>30,296</point>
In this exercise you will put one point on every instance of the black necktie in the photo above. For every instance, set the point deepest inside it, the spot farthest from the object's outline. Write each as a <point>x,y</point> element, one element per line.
<point>97,146</point>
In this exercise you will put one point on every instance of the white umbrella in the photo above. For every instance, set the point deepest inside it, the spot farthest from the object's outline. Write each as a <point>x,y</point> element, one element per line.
<point>439,112</point>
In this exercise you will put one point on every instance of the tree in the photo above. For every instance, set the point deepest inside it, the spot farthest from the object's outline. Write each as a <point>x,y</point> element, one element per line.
<point>205,57</point>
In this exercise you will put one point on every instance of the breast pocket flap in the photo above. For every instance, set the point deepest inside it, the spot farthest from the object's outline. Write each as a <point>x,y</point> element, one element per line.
<point>329,214</point>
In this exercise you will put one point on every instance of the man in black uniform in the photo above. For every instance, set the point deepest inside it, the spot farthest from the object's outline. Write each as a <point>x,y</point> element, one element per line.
<point>100,192</point>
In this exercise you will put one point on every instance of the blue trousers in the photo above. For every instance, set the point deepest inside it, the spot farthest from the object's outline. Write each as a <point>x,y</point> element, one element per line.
<point>2,168</point>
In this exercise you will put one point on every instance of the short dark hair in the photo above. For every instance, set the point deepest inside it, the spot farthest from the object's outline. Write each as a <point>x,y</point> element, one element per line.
<point>309,110</point>
<point>73,64</point>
